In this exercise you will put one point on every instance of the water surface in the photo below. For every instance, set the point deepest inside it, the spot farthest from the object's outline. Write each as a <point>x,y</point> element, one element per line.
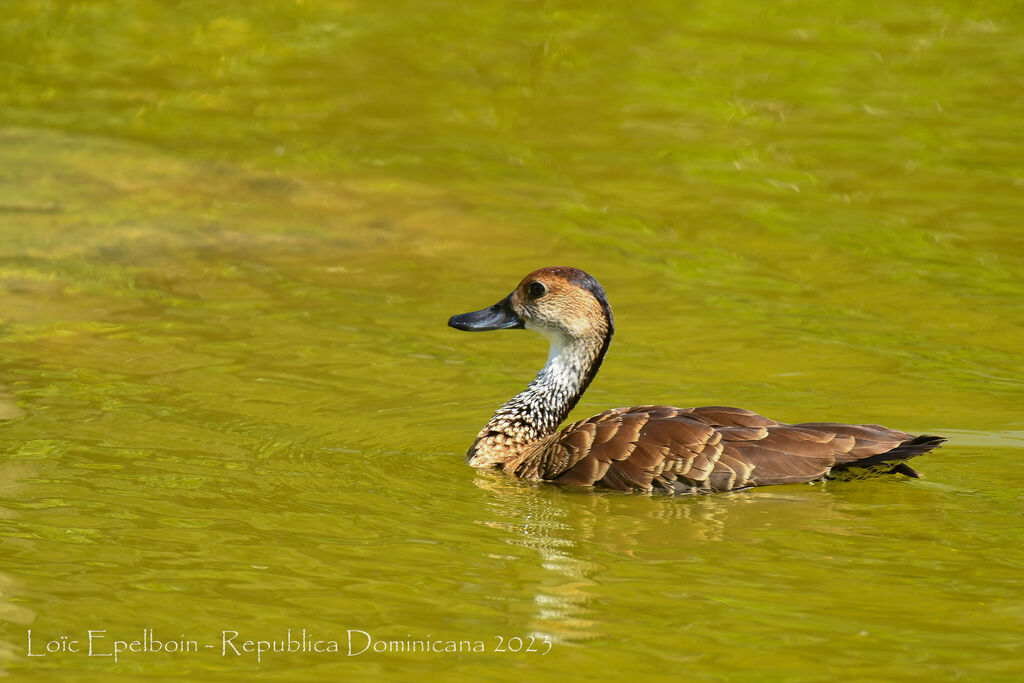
<point>231,235</point>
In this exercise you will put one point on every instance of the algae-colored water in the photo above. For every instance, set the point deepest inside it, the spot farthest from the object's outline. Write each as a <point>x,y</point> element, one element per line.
<point>230,237</point>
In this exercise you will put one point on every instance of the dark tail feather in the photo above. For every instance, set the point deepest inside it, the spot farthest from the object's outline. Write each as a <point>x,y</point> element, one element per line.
<point>889,462</point>
<point>916,446</point>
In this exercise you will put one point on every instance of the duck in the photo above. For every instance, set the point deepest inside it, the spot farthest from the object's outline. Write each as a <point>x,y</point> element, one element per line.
<point>650,448</point>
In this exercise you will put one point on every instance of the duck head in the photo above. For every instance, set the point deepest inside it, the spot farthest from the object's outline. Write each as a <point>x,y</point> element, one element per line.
<point>566,305</point>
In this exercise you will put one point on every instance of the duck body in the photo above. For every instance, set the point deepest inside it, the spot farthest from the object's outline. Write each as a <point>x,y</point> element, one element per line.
<point>650,448</point>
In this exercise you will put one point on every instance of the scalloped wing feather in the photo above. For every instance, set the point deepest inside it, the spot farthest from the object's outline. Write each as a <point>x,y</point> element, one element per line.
<point>710,449</point>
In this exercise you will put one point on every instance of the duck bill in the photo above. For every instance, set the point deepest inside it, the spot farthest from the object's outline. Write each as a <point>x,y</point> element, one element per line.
<point>500,316</point>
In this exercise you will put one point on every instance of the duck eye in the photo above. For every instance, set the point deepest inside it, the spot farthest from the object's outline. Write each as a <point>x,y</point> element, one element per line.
<point>536,289</point>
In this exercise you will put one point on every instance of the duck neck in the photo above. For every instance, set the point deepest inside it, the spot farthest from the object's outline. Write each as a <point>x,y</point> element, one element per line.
<point>536,412</point>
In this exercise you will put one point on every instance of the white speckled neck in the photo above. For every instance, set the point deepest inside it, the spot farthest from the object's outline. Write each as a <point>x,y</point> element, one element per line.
<point>539,409</point>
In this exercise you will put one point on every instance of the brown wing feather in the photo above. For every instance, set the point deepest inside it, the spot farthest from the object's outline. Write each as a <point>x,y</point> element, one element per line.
<point>716,448</point>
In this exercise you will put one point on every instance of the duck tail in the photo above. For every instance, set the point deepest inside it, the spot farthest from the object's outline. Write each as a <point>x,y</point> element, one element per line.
<point>892,461</point>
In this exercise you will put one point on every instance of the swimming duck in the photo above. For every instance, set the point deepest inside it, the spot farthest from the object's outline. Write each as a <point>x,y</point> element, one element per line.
<point>650,448</point>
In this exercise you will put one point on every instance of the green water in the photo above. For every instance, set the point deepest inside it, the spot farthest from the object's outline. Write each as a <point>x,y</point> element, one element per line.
<point>230,237</point>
